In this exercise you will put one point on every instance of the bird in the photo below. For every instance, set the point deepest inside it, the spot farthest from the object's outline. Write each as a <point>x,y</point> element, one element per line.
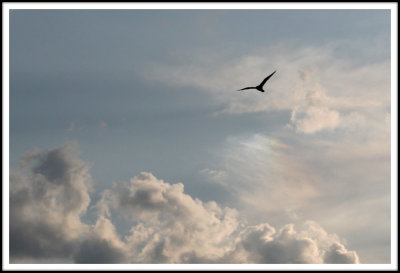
<point>260,86</point>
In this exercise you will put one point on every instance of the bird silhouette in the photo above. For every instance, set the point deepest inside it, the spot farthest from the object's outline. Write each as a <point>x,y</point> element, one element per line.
<point>260,86</point>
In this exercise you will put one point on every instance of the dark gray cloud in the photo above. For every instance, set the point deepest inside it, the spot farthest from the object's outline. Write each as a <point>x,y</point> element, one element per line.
<point>62,167</point>
<point>95,250</point>
<point>30,239</point>
<point>49,195</point>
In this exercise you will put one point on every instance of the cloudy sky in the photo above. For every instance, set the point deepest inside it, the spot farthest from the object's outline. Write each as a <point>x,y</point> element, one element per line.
<point>130,144</point>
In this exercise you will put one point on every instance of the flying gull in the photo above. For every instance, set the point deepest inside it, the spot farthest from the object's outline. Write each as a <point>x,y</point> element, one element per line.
<point>260,86</point>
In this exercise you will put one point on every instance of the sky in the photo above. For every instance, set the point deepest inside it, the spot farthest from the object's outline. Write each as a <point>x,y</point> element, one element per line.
<point>130,144</point>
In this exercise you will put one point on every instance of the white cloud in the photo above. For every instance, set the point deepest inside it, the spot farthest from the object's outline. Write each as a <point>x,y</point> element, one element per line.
<point>313,83</point>
<point>172,227</point>
<point>170,222</point>
<point>165,225</point>
<point>313,109</point>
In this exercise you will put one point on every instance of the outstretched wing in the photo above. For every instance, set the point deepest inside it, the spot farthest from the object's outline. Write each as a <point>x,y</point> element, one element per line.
<point>246,88</point>
<point>266,79</point>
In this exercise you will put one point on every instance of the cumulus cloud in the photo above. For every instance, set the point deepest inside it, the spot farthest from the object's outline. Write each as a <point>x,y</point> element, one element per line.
<point>172,227</point>
<point>49,195</point>
<point>262,244</point>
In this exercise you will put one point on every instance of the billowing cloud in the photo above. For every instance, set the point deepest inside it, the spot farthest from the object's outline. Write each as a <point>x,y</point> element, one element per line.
<point>144,221</point>
<point>170,223</point>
